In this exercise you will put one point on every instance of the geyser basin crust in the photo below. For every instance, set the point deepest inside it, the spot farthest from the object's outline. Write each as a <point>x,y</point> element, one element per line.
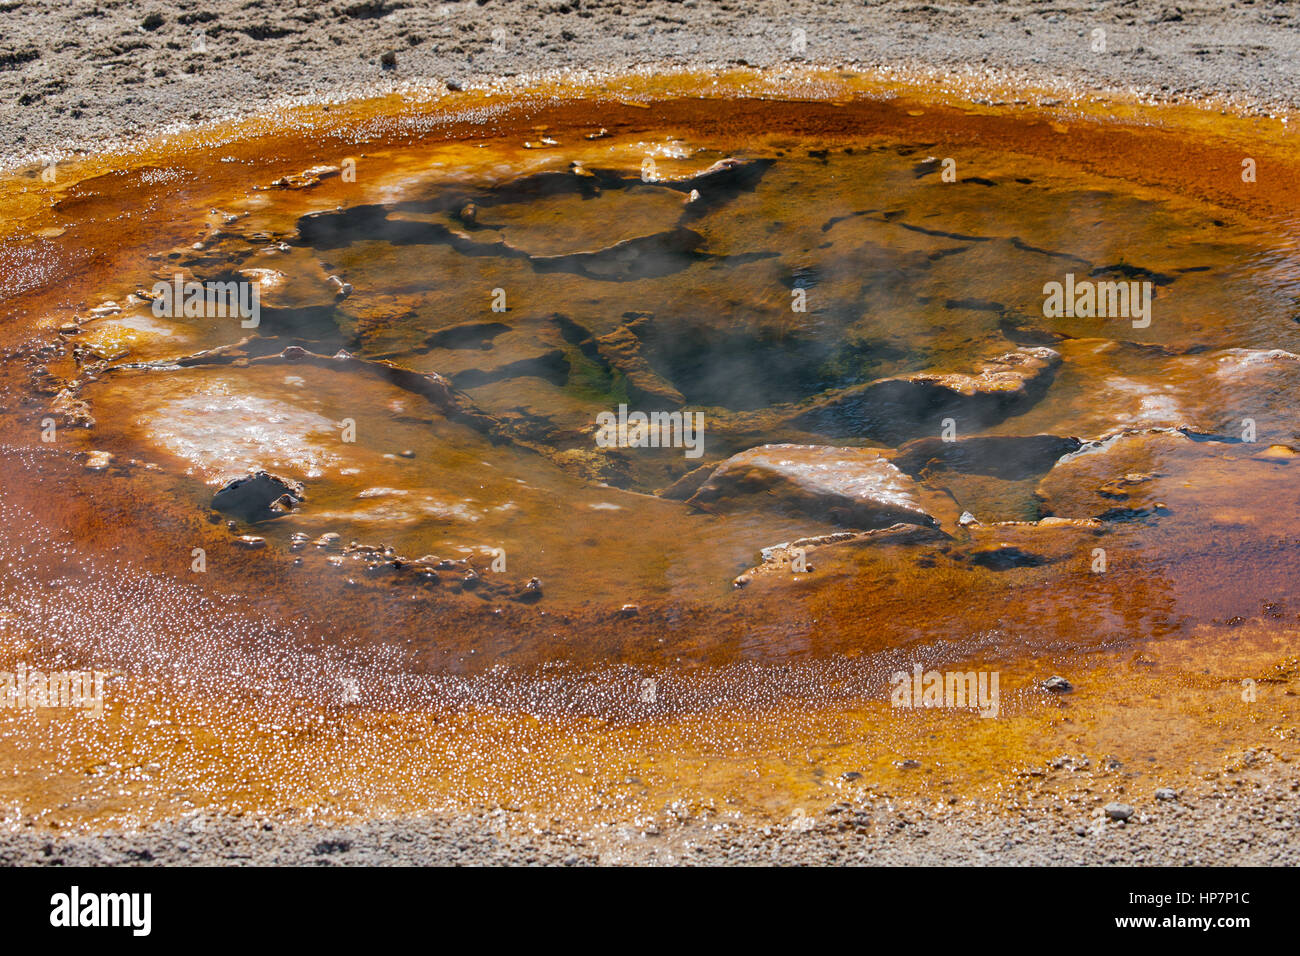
<point>434,437</point>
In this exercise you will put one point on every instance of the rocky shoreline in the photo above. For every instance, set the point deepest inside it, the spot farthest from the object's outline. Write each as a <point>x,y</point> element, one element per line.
<point>1245,817</point>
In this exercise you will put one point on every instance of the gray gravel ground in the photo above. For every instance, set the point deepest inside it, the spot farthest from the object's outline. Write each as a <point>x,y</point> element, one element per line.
<point>73,74</point>
<point>1249,817</point>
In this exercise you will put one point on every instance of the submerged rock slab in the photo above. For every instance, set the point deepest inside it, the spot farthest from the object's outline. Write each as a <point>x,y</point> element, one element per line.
<point>1013,457</point>
<point>651,256</point>
<point>795,558</point>
<point>1202,484</point>
<point>1010,545</point>
<point>854,487</point>
<point>622,350</point>
<point>892,409</point>
<point>1113,478</point>
<point>258,496</point>
<point>687,484</point>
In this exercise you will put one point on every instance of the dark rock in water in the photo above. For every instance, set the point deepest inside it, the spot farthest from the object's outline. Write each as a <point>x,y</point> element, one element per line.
<point>530,592</point>
<point>687,484</point>
<point>721,182</point>
<point>1004,557</point>
<point>792,558</point>
<point>283,505</point>
<point>1116,477</point>
<point>622,350</point>
<point>552,365</point>
<point>98,460</point>
<point>258,496</point>
<point>1013,457</point>
<point>467,335</point>
<point>1058,685</point>
<point>893,409</point>
<point>480,353</point>
<point>855,487</point>
<point>378,568</point>
<point>641,257</point>
<point>926,166</point>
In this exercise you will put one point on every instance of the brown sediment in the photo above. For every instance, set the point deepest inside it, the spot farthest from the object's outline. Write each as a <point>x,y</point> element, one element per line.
<point>764,694</point>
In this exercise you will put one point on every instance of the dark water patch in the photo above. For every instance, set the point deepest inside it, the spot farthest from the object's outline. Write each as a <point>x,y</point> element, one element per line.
<point>897,409</point>
<point>642,258</point>
<point>835,220</point>
<point>552,366</point>
<point>1021,244</point>
<point>926,167</point>
<point>804,277</point>
<point>471,335</point>
<point>977,305</point>
<point>1132,272</point>
<point>1020,329</point>
<point>1010,457</point>
<point>939,232</point>
<point>316,324</point>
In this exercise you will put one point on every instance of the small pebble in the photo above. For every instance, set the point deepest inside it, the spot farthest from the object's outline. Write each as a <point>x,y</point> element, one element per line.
<point>1118,811</point>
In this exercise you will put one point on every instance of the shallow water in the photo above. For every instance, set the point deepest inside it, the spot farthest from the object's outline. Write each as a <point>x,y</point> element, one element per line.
<point>473,430</point>
<point>811,270</point>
